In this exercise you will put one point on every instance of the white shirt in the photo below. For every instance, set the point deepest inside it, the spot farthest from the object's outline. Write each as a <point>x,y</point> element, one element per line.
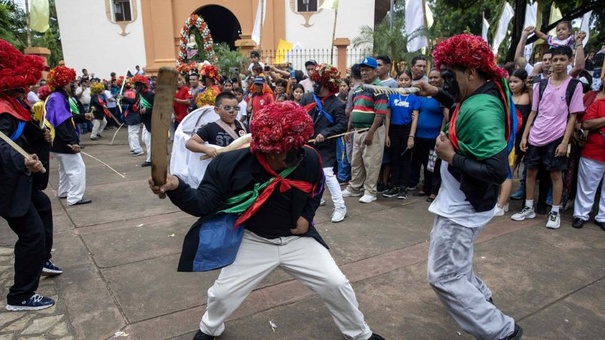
<point>32,97</point>
<point>83,95</point>
<point>109,101</point>
<point>242,110</point>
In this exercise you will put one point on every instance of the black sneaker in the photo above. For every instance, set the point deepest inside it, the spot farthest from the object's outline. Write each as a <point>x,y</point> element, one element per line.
<point>600,224</point>
<point>578,223</point>
<point>375,337</point>
<point>35,302</point>
<point>402,194</point>
<point>381,187</point>
<point>146,164</point>
<point>392,192</point>
<point>202,336</point>
<point>49,269</point>
<point>517,333</point>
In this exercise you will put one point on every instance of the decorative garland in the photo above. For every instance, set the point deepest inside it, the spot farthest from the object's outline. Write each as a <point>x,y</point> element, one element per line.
<point>194,21</point>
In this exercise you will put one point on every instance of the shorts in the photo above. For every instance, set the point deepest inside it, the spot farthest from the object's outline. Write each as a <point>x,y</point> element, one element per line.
<point>536,155</point>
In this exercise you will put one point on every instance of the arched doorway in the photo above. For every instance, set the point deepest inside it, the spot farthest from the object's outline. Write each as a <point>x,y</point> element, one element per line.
<point>223,25</point>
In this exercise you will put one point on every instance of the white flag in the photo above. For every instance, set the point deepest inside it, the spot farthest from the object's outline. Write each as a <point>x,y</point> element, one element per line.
<point>258,21</point>
<point>507,15</point>
<point>555,15</point>
<point>38,15</point>
<point>329,4</point>
<point>585,26</point>
<point>531,19</point>
<point>485,29</point>
<point>414,21</point>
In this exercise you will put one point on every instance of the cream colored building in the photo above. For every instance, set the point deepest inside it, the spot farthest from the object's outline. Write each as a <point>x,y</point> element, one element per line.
<point>115,35</point>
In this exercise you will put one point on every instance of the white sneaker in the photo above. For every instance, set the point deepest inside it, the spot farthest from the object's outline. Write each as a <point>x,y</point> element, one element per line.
<point>527,212</point>
<point>367,199</point>
<point>322,202</point>
<point>339,214</point>
<point>554,220</point>
<point>499,211</point>
<point>348,193</point>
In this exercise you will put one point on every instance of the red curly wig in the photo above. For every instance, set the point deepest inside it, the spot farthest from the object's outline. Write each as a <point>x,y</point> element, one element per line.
<point>43,92</point>
<point>279,127</point>
<point>210,71</point>
<point>468,51</point>
<point>18,70</point>
<point>60,76</point>
<point>140,79</point>
<point>327,76</point>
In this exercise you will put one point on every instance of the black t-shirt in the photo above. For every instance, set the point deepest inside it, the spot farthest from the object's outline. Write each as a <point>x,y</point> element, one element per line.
<point>214,134</point>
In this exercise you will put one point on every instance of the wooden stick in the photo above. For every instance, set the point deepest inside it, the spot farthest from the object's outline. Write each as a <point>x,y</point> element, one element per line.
<point>388,90</point>
<point>341,134</point>
<point>122,89</point>
<point>160,124</point>
<point>18,149</point>
<point>236,144</point>
<point>100,161</point>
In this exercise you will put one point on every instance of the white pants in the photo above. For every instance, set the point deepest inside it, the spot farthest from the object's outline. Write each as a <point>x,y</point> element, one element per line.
<point>334,188</point>
<point>258,256</point>
<point>147,141</point>
<point>590,174</point>
<point>133,138</point>
<point>98,125</point>
<point>72,176</point>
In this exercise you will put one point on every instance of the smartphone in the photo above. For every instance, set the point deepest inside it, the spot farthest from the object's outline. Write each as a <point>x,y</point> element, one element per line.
<point>233,69</point>
<point>267,68</point>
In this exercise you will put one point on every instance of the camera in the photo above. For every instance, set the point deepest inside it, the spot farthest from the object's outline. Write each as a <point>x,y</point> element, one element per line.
<point>267,68</point>
<point>233,69</point>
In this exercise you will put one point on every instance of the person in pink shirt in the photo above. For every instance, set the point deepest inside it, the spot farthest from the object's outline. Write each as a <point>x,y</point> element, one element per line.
<point>547,134</point>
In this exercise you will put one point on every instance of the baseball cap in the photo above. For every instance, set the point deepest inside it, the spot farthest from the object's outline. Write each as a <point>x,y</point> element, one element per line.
<point>259,80</point>
<point>369,62</point>
<point>310,62</point>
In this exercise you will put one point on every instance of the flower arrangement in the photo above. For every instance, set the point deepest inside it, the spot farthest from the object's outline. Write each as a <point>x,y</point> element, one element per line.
<point>60,76</point>
<point>205,97</point>
<point>18,70</point>
<point>96,88</point>
<point>327,76</point>
<point>468,51</point>
<point>279,127</point>
<point>194,21</point>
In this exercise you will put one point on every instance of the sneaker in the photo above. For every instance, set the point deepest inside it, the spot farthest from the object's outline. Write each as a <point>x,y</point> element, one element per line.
<point>339,214</point>
<point>375,337</point>
<point>93,138</point>
<point>49,269</point>
<point>527,212</point>
<point>517,333</point>
<point>402,194</point>
<point>600,224</point>
<point>499,211</point>
<point>367,199</point>
<point>347,193</point>
<point>136,154</point>
<point>578,223</point>
<point>146,164</point>
<point>381,187</point>
<point>392,192</point>
<point>518,195</point>
<point>202,336</point>
<point>35,302</point>
<point>322,202</point>
<point>554,220</point>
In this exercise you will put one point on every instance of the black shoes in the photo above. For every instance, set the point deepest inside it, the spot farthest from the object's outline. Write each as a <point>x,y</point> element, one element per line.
<point>375,337</point>
<point>202,336</point>
<point>600,224</point>
<point>578,223</point>
<point>146,164</point>
<point>82,201</point>
<point>517,333</point>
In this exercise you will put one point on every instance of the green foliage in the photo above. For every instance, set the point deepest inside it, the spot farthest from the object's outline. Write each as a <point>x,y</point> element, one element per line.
<point>227,58</point>
<point>12,24</point>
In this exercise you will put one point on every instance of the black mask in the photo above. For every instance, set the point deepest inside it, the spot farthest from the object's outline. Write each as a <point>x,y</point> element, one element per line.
<point>294,157</point>
<point>450,85</point>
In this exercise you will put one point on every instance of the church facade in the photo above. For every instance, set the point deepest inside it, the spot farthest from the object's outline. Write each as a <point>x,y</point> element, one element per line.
<point>115,35</point>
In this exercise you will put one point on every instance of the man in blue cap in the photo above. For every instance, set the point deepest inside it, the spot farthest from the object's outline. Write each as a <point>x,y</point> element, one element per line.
<point>261,96</point>
<point>368,113</point>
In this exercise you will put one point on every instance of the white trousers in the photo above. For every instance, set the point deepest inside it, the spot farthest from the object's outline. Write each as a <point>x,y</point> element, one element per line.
<point>133,138</point>
<point>147,141</point>
<point>258,256</point>
<point>334,187</point>
<point>98,126</point>
<point>590,174</point>
<point>72,176</point>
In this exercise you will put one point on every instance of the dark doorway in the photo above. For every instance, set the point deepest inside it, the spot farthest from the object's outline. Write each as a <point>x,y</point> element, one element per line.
<point>223,25</point>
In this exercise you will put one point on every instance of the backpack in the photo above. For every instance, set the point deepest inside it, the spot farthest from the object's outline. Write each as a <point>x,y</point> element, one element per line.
<point>571,88</point>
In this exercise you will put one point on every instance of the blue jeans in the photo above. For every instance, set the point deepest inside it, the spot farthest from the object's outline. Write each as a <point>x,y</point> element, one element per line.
<point>344,167</point>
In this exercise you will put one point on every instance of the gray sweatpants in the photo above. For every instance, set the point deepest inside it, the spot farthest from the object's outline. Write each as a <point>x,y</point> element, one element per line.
<point>450,274</point>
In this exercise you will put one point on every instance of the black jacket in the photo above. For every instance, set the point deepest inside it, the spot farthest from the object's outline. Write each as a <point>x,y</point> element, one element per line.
<point>235,172</point>
<point>336,108</point>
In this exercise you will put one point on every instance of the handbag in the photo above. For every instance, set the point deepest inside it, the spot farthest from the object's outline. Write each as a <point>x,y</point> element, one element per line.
<point>218,242</point>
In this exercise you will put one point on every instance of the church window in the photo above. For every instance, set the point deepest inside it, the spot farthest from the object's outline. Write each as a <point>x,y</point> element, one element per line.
<point>121,10</point>
<point>307,5</point>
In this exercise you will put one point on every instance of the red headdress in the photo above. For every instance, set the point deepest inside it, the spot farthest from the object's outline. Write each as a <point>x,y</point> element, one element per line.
<point>43,92</point>
<point>279,127</point>
<point>327,76</point>
<point>60,76</point>
<point>18,70</point>
<point>468,51</point>
<point>210,71</point>
<point>140,79</point>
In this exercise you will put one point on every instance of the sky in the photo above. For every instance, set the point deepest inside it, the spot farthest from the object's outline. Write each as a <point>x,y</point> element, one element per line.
<point>20,3</point>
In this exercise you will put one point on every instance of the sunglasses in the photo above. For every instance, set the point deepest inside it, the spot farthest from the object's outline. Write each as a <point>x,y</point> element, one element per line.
<point>230,108</point>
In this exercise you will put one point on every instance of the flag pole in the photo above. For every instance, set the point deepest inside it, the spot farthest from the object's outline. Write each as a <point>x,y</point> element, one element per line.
<point>262,15</point>
<point>333,36</point>
<point>27,29</point>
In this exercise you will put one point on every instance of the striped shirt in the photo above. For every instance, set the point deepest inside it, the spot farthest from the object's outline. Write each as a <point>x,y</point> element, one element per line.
<point>367,105</point>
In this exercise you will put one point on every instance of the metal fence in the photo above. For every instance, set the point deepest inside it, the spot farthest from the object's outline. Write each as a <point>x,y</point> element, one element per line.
<point>298,57</point>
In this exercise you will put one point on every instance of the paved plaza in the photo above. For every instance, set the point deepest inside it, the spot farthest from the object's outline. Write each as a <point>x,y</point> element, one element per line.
<point>119,256</point>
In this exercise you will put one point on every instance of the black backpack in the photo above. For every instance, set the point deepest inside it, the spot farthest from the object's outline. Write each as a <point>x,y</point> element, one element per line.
<point>571,88</point>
